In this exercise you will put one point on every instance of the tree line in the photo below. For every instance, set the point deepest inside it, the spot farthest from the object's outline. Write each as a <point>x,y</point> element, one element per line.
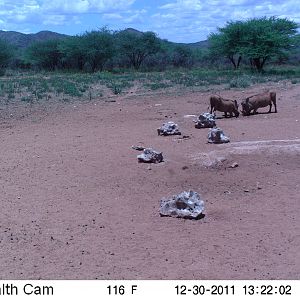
<point>253,42</point>
<point>100,50</point>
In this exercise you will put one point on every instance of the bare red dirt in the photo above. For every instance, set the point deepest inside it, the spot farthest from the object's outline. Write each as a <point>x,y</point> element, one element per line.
<point>76,204</point>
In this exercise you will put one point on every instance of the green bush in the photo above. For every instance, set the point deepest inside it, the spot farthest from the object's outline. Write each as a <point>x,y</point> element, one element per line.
<point>240,82</point>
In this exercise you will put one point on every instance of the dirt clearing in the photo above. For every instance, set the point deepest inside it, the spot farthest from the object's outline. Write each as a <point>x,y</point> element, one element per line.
<point>76,204</point>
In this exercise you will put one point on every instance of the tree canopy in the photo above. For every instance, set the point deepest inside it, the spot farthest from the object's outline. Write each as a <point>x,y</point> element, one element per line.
<point>6,53</point>
<point>45,54</point>
<point>257,39</point>
<point>136,47</point>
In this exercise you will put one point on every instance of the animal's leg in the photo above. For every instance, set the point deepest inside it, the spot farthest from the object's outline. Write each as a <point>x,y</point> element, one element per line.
<point>273,99</point>
<point>270,107</point>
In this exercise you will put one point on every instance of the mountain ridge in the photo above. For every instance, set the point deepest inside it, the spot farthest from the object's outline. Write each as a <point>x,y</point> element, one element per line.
<point>23,40</point>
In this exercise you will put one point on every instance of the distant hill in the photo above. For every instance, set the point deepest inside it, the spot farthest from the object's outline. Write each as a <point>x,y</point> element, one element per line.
<point>22,40</point>
<point>132,30</point>
<point>201,44</point>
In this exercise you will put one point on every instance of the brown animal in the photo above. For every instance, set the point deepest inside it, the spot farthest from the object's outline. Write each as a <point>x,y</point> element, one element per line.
<point>256,101</point>
<point>224,105</point>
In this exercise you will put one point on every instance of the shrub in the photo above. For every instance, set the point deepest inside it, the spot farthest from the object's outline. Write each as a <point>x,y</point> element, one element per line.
<point>240,82</point>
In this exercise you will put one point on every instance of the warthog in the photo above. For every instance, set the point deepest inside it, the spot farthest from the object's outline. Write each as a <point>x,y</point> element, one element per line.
<point>224,105</point>
<point>256,101</point>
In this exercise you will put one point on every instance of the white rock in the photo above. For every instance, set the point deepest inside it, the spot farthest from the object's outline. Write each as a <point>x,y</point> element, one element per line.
<point>205,120</point>
<point>169,128</point>
<point>217,136</point>
<point>150,156</point>
<point>186,205</point>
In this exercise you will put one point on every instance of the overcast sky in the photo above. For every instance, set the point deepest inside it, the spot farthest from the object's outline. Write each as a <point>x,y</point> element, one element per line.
<point>175,20</point>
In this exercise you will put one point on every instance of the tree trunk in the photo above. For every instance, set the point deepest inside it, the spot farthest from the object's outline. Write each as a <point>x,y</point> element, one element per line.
<point>263,62</point>
<point>238,63</point>
<point>232,60</point>
<point>258,64</point>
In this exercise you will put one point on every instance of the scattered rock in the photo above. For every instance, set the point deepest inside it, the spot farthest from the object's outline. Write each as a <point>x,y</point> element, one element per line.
<point>217,136</point>
<point>150,156</point>
<point>186,205</point>
<point>258,186</point>
<point>182,138</point>
<point>205,120</point>
<point>246,191</point>
<point>234,165</point>
<point>189,116</point>
<point>139,148</point>
<point>169,128</point>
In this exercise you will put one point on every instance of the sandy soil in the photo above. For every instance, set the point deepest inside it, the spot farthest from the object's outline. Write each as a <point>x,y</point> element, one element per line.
<point>76,204</point>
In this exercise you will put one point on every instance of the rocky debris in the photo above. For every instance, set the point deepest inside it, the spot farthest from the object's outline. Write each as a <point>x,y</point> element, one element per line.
<point>234,165</point>
<point>182,138</point>
<point>169,128</point>
<point>150,156</point>
<point>138,148</point>
<point>189,116</point>
<point>186,205</point>
<point>217,136</point>
<point>205,120</point>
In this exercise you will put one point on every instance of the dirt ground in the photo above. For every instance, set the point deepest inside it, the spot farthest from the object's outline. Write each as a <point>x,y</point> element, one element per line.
<point>76,204</point>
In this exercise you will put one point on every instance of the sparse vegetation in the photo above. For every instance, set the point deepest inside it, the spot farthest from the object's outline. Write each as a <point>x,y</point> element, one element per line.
<point>29,87</point>
<point>240,82</point>
<point>106,63</point>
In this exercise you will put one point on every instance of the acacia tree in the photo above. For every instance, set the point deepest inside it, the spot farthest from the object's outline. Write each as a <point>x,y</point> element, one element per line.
<point>91,49</point>
<point>137,46</point>
<point>45,54</point>
<point>73,53</point>
<point>225,43</point>
<point>258,39</point>
<point>182,56</point>
<point>265,38</point>
<point>98,48</point>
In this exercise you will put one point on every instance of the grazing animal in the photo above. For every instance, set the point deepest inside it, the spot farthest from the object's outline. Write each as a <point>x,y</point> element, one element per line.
<point>254,102</point>
<point>224,105</point>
